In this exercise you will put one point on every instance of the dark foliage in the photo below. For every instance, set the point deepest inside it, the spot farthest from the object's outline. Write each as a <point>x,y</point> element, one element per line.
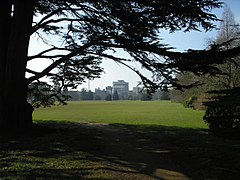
<point>115,96</point>
<point>188,103</point>
<point>108,97</point>
<point>93,28</point>
<point>146,96</point>
<point>81,34</point>
<point>86,95</point>
<point>223,113</point>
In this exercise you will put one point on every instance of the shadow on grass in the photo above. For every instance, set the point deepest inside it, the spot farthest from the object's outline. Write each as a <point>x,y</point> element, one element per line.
<point>96,151</point>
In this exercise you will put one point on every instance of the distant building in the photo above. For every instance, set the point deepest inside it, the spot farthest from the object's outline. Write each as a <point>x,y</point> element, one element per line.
<point>109,90</point>
<point>122,88</point>
<point>100,94</point>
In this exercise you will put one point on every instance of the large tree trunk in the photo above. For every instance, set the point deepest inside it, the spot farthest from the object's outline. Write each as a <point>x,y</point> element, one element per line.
<point>5,21</point>
<point>16,113</point>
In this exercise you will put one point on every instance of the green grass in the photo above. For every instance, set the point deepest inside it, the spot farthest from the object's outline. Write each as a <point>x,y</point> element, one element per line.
<point>162,113</point>
<point>118,140</point>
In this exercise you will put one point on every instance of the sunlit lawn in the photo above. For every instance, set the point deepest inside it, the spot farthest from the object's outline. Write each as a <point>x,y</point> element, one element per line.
<point>124,112</point>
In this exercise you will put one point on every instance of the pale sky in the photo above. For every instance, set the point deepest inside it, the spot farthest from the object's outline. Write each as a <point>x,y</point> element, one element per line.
<point>181,41</point>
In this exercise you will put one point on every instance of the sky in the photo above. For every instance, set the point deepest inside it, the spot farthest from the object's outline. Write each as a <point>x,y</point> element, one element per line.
<point>181,41</point>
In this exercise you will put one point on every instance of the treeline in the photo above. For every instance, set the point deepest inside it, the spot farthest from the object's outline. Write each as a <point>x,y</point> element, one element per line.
<point>88,95</point>
<point>219,95</point>
<point>228,73</point>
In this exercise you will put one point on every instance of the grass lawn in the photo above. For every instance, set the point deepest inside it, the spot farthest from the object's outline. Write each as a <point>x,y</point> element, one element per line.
<point>125,140</point>
<point>125,112</point>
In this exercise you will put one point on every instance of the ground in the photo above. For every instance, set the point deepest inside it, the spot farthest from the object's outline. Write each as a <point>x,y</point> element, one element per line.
<point>72,150</point>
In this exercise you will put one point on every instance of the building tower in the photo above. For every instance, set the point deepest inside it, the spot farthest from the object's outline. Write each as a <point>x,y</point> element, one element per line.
<point>122,89</point>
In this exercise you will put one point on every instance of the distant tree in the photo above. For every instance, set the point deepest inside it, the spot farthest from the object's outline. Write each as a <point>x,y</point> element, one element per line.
<point>218,93</point>
<point>87,31</point>
<point>223,110</point>
<point>86,95</point>
<point>146,96</point>
<point>202,84</point>
<point>115,96</point>
<point>165,94</point>
<point>90,95</point>
<point>108,97</point>
<point>228,75</point>
<point>73,95</point>
<point>97,98</point>
<point>83,94</point>
<point>230,36</point>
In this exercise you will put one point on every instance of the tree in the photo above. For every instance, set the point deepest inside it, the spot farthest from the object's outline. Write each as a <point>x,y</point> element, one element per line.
<point>146,96</point>
<point>229,34</point>
<point>90,95</point>
<point>193,96</point>
<point>223,113</point>
<point>83,94</point>
<point>108,97</point>
<point>229,71</point>
<point>223,110</point>
<point>86,95</point>
<point>165,94</point>
<point>115,96</point>
<point>88,31</point>
<point>15,112</point>
<point>219,94</point>
<point>97,98</point>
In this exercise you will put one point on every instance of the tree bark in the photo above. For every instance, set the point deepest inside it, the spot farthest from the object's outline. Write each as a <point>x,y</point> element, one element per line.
<point>5,21</point>
<point>16,113</point>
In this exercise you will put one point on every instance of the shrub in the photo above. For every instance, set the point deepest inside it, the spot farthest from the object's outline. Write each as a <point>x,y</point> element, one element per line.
<point>146,97</point>
<point>223,113</point>
<point>188,103</point>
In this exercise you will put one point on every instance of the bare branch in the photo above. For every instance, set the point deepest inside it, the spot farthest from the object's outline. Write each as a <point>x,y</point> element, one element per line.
<point>41,54</point>
<point>147,82</point>
<point>52,21</point>
<point>43,39</point>
<point>54,12</point>
<point>61,60</point>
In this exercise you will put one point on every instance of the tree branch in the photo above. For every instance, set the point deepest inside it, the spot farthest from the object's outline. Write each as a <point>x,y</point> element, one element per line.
<point>36,27</point>
<point>61,60</point>
<point>148,83</point>
<point>41,54</point>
